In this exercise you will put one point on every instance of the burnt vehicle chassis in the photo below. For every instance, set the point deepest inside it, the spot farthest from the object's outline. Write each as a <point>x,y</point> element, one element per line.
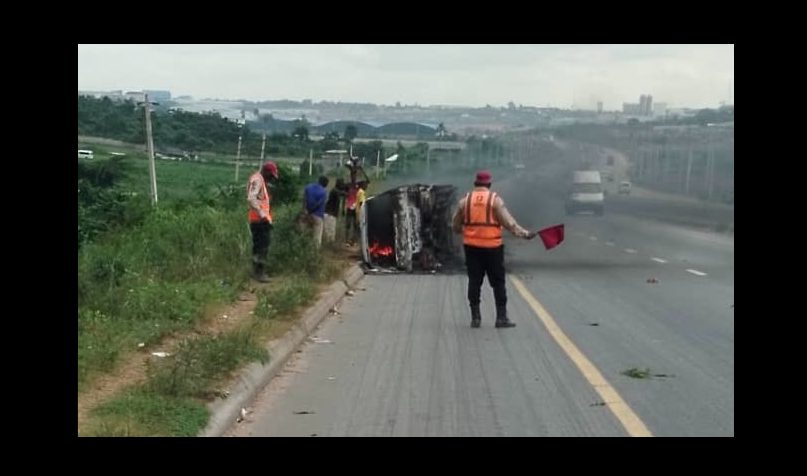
<point>408,228</point>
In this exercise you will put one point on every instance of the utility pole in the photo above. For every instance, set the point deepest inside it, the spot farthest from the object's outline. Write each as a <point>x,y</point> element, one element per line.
<point>710,169</point>
<point>310,161</point>
<point>263,145</point>
<point>689,170</point>
<point>238,153</point>
<point>150,147</point>
<point>378,163</point>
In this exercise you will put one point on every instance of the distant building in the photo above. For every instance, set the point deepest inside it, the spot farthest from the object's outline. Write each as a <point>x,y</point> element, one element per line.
<point>114,95</point>
<point>158,95</point>
<point>644,108</point>
<point>599,107</point>
<point>660,109</point>
<point>136,96</point>
<point>631,108</point>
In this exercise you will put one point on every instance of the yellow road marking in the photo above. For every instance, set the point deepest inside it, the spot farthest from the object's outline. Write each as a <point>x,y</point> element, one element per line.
<point>632,423</point>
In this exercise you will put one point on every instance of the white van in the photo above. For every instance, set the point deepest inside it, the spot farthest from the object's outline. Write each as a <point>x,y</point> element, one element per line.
<point>84,154</point>
<point>586,193</point>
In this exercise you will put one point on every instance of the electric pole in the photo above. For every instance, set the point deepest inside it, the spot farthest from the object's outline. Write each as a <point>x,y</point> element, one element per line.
<point>238,153</point>
<point>150,148</point>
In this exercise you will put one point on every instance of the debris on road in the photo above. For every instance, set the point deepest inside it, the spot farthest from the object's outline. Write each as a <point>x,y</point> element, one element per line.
<point>637,373</point>
<point>304,412</point>
<point>160,354</point>
<point>652,280</point>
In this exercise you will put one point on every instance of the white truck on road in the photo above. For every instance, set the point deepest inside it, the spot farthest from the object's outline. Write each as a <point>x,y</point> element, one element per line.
<point>586,193</point>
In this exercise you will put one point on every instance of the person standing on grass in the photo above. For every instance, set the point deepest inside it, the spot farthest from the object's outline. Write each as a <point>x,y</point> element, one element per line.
<point>315,195</point>
<point>332,207</point>
<point>260,217</point>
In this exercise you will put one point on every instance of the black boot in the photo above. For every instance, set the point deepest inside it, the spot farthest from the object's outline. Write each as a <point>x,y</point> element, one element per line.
<point>501,317</point>
<point>258,273</point>
<point>476,316</point>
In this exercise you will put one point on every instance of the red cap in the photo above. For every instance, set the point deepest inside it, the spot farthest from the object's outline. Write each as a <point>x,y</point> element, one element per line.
<point>483,177</point>
<point>270,167</point>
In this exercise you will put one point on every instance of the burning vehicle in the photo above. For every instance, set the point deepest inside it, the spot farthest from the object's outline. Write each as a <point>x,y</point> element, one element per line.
<point>408,228</point>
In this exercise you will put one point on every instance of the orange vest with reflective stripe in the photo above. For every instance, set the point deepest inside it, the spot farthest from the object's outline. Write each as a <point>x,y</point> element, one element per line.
<point>264,197</point>
<point>480,226</point>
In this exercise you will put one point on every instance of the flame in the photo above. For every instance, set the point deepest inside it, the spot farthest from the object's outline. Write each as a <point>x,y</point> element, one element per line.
<point>377,250</point>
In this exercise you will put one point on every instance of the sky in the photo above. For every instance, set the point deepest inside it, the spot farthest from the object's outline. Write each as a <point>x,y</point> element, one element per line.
<point>564,76</point>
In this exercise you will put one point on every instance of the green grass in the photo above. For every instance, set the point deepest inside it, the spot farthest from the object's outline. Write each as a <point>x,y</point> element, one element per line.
<point>172,401</point>
<point>137,412</point>
<point>290,294</point>
<point>200,362</point>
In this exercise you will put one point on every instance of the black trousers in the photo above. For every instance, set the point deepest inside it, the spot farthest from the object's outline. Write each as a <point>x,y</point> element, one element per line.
<point>261,236</point>
<point>351,225</point>
<point>485,261</point>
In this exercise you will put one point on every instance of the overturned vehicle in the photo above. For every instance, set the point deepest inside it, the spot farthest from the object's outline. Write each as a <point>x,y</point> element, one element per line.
<point>408,229</point>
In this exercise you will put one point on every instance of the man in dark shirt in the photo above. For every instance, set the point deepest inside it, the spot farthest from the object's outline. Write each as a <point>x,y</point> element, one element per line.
<point>314,197</point>
<point>332,208</point>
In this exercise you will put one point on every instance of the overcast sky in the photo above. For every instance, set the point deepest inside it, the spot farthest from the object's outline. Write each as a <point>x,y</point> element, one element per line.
<point>469,75</point>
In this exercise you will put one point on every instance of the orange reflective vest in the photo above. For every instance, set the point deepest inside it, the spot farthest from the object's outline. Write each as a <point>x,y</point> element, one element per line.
<point>480,226</point>
<point>264,197</point>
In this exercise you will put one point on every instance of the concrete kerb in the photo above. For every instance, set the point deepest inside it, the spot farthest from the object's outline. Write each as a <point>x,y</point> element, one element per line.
<point>223,412</point>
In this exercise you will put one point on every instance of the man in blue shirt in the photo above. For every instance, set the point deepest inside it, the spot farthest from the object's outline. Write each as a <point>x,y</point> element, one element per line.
<point>314,197</point>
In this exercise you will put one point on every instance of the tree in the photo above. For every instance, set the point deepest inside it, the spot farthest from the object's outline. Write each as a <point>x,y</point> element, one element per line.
<point>300,133</point>
<point>350,133</point>
<point>266,119</point>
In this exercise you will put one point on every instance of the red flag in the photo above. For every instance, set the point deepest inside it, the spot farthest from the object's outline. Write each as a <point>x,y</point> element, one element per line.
<point>551,236</point>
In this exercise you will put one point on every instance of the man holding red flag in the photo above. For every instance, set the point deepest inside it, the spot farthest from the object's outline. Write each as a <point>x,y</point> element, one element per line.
<point>480,216</point>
